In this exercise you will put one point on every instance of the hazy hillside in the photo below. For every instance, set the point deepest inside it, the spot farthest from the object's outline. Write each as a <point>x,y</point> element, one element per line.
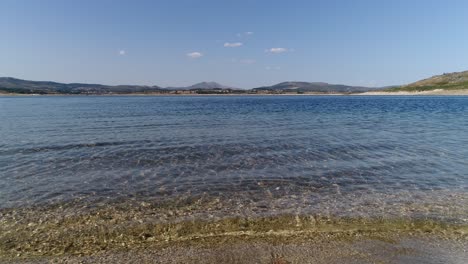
<point>13,85</point>
<point>202,86</point>
<point>318,87</point>
<point>446,81</point>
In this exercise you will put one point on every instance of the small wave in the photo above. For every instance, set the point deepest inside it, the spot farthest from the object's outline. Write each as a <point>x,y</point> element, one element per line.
<point>69,146</point>
<point>61,230</point>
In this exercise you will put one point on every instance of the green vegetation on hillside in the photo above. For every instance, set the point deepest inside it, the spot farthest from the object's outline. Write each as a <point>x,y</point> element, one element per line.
<point>446,81</point>
<point>444,86</point>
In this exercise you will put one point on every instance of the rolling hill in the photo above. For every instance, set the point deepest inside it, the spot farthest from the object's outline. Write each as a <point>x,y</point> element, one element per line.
<point>13,85</point>
<point>202,86</point>
<point>446,81</point>
<point>312,87</point>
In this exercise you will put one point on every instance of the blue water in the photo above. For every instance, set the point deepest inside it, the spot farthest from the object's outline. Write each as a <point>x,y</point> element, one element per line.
<point>282,152</point>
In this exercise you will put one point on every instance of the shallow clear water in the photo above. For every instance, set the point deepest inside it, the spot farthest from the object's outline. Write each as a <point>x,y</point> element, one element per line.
<point>345,154</point>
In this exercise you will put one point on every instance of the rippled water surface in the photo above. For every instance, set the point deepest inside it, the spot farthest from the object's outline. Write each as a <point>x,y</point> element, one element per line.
<point>348,155</point>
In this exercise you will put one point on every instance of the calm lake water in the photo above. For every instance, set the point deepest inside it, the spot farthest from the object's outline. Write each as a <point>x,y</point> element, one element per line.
<point>345,155</point>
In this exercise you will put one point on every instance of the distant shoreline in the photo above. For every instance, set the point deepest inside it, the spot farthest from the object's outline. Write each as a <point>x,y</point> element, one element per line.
<point>452,84</point>
<point>431,92</point>
<point>174,95</point>
<point>438,92</point>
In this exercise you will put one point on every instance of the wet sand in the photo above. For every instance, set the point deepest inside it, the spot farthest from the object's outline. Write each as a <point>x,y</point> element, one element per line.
<point>428,249</point>
<point>169,233</point>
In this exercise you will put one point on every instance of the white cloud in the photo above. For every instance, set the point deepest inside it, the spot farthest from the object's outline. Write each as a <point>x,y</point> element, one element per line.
<point>249,33</point>
<point>232,45</point>
<point>276,50</point>
<point>122,52</point>
<point>195,55</point>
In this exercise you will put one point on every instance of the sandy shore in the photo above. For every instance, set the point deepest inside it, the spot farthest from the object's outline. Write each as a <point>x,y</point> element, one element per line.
<point>433,92</point>
<point>412,249</point>
<point>168,233</point>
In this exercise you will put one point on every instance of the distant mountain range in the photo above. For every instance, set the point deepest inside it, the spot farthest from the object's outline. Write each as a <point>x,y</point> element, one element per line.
<point>13,85</point>
<point>446,81</point>
<point>202,86</point>
<point>313,87</point>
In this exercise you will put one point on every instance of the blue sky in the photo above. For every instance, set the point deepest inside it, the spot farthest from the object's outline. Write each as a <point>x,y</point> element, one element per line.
<point>240,43</point>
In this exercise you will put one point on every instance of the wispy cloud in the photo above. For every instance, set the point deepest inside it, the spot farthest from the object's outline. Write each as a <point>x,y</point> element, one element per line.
<point>248,33</point>
<point>247,61</point>
<point>243,61</point>
<point>270,68</point>
<point>232,45</point>
<point>276,50</point>
<point>122,52</point>
<point>195,55</point>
